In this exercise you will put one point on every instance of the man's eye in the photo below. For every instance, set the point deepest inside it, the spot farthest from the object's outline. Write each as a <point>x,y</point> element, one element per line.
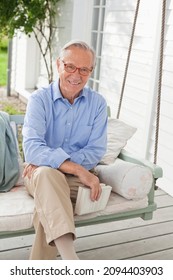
<point>70,67</point>
<point>84,70</point>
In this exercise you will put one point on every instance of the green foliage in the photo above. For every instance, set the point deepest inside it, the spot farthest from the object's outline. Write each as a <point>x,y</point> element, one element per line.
<point>3,61</point>
<point>11,110</point>
<point>24,15</point>
<point>37,16</point>
<point>3,68</point>
<point>4,44</point>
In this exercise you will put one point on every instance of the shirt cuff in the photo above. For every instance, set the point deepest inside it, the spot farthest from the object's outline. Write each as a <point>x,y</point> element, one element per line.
<point>58,157</point>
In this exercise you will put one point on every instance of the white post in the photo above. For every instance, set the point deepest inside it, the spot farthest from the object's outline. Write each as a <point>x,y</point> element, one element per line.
<point>26,64</point>
<point>82,19</point>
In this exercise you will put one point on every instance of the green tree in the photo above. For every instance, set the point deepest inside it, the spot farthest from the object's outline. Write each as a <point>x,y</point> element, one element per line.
<point>37,16</point>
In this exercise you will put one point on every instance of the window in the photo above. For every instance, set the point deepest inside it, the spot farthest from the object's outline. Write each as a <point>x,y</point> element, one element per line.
<point>96,39</point>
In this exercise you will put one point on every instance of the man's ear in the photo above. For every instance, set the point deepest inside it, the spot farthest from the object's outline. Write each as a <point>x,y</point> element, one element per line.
<point>58,63</point>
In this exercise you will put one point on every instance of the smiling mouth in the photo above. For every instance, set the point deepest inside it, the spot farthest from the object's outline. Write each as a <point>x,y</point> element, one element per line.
<point>74,83</point>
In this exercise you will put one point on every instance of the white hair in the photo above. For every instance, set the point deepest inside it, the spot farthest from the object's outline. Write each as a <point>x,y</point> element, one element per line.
<point>78,44</point>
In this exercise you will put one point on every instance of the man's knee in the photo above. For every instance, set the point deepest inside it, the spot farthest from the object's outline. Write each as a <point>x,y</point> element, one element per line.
<point>48,174</point>
<point>41,170</point>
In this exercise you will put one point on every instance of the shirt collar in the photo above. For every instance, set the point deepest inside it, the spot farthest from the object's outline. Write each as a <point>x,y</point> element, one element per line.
<point>56,93</point>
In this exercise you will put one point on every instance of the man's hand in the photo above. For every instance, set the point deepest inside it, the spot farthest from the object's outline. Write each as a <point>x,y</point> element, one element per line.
<point>87,178</point>
<point>28,170</point>
<point>91,181</point>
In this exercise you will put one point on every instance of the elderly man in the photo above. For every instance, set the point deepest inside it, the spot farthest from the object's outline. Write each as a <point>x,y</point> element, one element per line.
<point>64,139</point>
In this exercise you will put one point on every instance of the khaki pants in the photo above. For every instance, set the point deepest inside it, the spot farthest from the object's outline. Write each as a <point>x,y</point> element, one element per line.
<point>53,194</point>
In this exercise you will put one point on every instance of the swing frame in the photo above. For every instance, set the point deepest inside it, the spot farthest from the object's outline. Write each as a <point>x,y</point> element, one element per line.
<point>144,213</point>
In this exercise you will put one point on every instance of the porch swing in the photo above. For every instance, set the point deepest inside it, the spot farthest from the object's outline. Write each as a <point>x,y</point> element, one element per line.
<point>17,207</point>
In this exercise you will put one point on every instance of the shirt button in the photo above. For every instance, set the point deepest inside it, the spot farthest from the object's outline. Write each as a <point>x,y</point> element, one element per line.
<point>66,140</point>
<point>69,123</point>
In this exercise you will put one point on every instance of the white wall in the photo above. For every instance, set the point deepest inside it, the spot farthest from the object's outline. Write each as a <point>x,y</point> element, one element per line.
<point>165,151</point>
<point>82,18</point>
<point>139,102</point>
<point>118,27</point>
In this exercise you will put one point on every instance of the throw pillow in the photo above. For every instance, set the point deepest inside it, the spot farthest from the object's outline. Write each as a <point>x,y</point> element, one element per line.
<point>118,133</point>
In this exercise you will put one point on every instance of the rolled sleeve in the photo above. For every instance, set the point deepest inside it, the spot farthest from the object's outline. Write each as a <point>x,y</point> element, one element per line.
<point>56,158</point>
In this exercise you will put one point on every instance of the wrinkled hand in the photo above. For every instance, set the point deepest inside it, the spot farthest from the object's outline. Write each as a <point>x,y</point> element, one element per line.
<point>28,170</point>
<point>91,181</point>
<point>87,178</point>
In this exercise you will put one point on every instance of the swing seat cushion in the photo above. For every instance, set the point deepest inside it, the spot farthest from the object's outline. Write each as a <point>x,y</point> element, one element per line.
<point>132,181</point>
<point>17,209</point>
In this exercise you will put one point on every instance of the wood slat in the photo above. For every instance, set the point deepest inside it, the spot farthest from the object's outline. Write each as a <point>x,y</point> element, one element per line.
<point>129,250</point>
<point>127,236</point>
<point>161,255</point>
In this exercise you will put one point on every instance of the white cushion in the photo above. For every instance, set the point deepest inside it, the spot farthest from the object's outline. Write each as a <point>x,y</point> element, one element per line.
<point>17,208</point>
<point>130,180</point>
<point>117,134</point>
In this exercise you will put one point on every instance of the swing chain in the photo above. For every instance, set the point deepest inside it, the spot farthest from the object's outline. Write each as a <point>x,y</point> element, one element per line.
<point>160,80</point>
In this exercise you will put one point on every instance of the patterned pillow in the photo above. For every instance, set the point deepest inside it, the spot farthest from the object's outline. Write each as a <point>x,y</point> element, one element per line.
<point>132,181</point>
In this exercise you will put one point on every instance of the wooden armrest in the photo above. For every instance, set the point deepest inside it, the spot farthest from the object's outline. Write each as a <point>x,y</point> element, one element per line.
<point>156,170</point>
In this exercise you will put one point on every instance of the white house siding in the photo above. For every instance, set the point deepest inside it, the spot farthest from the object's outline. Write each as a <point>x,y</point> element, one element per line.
<point>137,94</point>
<point>165,150</point>
<point>139,101</point>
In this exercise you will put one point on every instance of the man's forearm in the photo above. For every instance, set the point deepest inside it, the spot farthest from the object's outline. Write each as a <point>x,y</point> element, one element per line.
<point>70,167</point>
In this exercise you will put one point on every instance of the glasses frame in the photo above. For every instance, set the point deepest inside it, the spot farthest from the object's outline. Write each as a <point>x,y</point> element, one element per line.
<point>77,68</point>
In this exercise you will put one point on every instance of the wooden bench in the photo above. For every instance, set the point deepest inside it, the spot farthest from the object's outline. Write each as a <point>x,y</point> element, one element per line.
<point>145,213</point>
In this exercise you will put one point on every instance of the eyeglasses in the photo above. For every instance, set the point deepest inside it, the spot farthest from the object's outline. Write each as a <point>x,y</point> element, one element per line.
<point>70,68</point>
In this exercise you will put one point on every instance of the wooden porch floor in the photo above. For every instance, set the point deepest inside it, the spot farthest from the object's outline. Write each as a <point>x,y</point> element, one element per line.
<point>129,239</point>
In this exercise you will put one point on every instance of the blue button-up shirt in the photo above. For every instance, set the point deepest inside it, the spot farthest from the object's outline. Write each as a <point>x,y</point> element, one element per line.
<point>56,130</point>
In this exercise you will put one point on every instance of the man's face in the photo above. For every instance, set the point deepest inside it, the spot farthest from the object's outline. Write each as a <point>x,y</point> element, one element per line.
<point>72,83</point>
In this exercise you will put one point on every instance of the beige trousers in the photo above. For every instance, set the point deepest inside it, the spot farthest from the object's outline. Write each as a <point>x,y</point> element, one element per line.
<point>54,194</point>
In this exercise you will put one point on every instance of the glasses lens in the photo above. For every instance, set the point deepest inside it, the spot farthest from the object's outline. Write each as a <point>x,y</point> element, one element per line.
<point>84,71</point>
<point>70,68</point>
